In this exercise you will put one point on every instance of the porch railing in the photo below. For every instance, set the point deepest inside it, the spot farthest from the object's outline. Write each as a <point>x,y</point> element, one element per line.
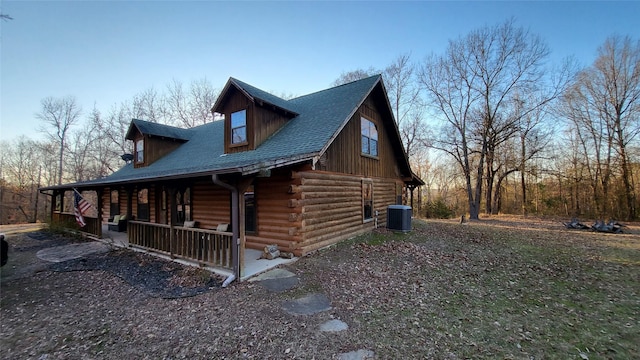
<point>66,220</point>
<point>207,247</point>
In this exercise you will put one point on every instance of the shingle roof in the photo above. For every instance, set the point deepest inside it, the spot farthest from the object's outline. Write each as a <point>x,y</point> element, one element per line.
<point>258,94</point>
<point>155,129</point>
<point>321,116</point>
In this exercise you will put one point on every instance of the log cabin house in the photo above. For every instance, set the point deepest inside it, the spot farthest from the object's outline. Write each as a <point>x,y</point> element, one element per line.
<point>302,173</point>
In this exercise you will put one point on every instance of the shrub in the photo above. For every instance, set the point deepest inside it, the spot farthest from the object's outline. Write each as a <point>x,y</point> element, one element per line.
<point>438,210</point>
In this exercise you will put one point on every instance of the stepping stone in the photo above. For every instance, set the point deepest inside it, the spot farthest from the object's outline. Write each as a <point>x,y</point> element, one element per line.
<point>280,285</point>
<point>334,326</point>
<point>72,251</point>
<point>277,280</point>
<point>357,355</point>
<point>308,305</point>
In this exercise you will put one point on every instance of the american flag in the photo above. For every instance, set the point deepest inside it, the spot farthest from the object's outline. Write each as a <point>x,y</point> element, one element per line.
<point>80,206</point>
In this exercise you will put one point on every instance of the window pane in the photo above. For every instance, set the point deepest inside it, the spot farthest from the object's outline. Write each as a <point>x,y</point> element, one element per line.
<point>367,197</point>
<point>373,131</point>
<point>140,150</point>
<point>364,127</point>
<point>238,119</point>
<point>143,197</point>
<point>250,211</point>
<point>373,147</point>
<point>365,144</point>
<point>239,135</point>
<point>143,204</point>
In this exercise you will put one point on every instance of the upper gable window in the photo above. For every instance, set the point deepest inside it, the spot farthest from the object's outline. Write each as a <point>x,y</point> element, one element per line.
<point>369,133</point>
<point>140,151</point>
<point>239,127</point>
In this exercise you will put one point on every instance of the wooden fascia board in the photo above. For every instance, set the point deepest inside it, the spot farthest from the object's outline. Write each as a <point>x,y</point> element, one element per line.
<point>264,103</point>
<point>225,91</point>
<point>129,135</point>
<point>395,127</point>
<point>276,163</point>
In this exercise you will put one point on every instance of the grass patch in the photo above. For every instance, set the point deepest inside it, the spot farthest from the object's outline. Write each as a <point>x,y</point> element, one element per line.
<point>479,291</point>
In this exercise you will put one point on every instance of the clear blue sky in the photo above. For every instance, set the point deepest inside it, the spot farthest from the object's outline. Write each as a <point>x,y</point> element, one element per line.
<point>105,52</point>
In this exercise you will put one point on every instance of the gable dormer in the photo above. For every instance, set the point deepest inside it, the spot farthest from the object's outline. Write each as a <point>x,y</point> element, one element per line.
<point>250,115</point>
<point>152,141</point>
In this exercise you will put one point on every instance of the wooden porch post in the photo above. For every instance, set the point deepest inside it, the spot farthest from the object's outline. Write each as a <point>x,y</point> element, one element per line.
<point>243,185</point>
<point>99,193</point>
<point>174,217</point>
<point>129,191</point>
<point>54,199</point>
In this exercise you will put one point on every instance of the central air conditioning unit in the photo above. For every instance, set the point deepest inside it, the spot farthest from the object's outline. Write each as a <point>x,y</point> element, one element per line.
<point>399,218</point>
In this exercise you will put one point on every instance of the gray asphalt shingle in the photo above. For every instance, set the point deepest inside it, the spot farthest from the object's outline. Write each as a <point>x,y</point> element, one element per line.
<point>321,115</point>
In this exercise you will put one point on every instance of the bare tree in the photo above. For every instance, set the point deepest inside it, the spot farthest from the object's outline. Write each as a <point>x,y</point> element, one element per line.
<point>604,107</point>
<point>151,106</point>
<point>193,107</point>
<point>354,75</point>
<point>403,92</point>
<point>22,167</point>
<point>58,116</point>
<point>473,86</point>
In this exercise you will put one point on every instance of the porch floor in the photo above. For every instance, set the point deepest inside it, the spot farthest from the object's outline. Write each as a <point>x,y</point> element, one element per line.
<point>253,265</point>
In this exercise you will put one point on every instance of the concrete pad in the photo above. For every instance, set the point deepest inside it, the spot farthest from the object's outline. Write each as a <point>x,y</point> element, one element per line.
<point>308,305</point>
<point>357,355</point>
<point>253,265</point>
<point>72,251</point>
<point>334,326</point>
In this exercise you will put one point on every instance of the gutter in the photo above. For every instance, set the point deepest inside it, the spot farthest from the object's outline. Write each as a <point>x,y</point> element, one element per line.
<point>235,225</point>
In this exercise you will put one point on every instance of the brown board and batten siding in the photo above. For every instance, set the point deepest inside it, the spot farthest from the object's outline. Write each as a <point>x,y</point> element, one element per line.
<point>236,102</point>
<point>262,122</point>
<point>344,155</point>
<point>154,148</point>
<point>265,123</point>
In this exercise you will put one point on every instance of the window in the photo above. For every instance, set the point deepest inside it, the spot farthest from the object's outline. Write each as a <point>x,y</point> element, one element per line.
<point>369,137</point>
<point>183,204</point>
<point>250,214</point>
<point>140,151</point>
<point>239,127</point>
<point>143,204</point>
<point>58,207</point>
<point>367,200</point>
<point>114,209</point>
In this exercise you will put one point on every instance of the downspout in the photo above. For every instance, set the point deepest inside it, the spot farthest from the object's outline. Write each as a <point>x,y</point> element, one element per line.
<point>235,226</point>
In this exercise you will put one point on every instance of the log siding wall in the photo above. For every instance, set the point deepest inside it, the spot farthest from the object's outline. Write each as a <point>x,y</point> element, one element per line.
<point>302,211</point>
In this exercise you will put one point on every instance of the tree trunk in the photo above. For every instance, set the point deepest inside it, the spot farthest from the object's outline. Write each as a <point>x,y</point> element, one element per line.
<point>523,189</point>
<point>626,176</point>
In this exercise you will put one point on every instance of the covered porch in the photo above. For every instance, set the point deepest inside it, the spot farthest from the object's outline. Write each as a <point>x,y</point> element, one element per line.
<point>252,265</point>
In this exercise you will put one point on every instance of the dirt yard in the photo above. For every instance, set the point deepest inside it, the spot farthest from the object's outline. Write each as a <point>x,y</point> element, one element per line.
<point>504,287</point>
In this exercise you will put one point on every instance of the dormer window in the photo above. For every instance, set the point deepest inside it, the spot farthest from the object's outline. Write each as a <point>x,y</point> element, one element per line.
<point>369,137</point>
<point>140,151</point>
<point>239,127</point>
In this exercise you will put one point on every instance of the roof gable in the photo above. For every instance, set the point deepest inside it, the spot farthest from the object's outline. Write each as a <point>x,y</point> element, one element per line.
<point>254,94</point>
<point>155,129</point>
